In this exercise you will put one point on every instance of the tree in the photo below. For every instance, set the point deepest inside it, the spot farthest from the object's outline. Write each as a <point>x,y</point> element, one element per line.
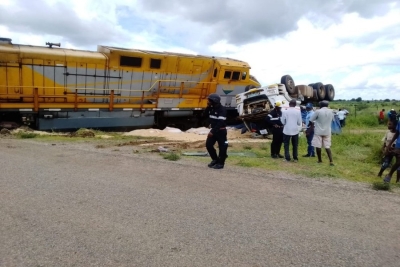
<point>359,99</point>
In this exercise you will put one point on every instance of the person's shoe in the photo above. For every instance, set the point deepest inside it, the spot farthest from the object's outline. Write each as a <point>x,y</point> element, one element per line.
<point>295,160</point>
<point>212,163</point>
<point>319,161</point>
<point>307,156</point>
<point>331,164</point>
<point>218,166</point>
<point>387,179</point>
<point>274,156</point>
<point>286,160</point>
<point>280,156</point>
<point>313,156</point>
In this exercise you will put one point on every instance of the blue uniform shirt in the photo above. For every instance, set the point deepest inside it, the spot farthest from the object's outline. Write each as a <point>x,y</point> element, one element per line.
<point>308,116</point>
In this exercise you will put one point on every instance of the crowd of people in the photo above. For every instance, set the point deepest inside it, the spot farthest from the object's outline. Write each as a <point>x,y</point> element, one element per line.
<point>286,126</point>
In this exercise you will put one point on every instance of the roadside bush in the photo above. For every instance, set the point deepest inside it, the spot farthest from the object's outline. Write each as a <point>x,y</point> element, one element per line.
<point>360,107</point>
<point>381,186</point>
<point>172,156</point>
<point>26,135</point>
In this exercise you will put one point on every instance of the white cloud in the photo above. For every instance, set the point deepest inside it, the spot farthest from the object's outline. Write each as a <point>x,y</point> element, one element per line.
<point>354,45</point>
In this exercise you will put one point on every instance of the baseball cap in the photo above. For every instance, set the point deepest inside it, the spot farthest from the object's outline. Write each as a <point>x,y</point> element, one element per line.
<point>309,105</point>
<point>278,104</point>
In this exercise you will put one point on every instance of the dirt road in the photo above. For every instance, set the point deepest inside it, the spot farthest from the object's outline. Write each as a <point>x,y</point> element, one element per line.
<point>72,205</point>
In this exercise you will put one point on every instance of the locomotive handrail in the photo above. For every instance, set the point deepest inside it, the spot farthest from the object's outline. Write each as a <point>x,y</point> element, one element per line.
<point>204,88</point>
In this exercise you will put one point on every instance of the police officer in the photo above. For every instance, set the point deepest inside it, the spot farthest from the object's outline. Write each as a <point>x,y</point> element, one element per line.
<point>217,116</point>
<point>274,121</point>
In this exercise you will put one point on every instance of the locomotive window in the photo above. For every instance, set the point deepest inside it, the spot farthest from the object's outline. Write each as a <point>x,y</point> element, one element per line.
<point>236,75</point>
<point>130,61</point>
<point>155,63</point>
<point>215,72</point>
<point>244,75</point>
<point>227,74</point>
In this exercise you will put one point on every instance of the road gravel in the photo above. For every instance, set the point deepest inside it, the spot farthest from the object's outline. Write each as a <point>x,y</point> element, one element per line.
<point>66,204</point>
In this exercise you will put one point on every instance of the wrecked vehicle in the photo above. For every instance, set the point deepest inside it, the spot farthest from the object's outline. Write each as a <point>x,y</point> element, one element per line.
<point>255,104</point>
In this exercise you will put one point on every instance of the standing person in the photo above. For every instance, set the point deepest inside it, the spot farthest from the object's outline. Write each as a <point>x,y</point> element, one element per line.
<point>381,116</point>
<point>309,131</point>
<point>392,115</point>
<point>322,120</point>
<point>291,120</point>
<point>341,115</point>
<point>217,116</point>
<point>274,121</point>
<point>345,116</point>
<point>388,156</point>
<point>396,153</point>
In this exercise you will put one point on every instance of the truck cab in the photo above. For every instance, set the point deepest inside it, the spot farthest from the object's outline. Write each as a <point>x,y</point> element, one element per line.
<point>254,105</point>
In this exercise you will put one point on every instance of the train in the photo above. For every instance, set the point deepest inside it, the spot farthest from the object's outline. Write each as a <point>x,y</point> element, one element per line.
<point>53,88</point>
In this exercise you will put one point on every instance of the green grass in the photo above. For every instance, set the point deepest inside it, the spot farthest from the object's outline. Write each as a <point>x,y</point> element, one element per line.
<point>171,156</point>
<point>356,156</point>
<point>381,186</point>
<point>26,135</point>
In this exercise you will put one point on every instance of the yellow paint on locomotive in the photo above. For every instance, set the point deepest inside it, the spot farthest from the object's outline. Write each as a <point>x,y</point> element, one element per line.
<point>43,78</point>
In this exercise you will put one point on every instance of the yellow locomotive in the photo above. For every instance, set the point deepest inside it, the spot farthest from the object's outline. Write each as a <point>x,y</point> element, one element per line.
<point>57,88</point>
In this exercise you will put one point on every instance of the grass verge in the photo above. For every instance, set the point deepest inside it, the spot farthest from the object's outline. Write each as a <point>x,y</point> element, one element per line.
<point>171,156</point>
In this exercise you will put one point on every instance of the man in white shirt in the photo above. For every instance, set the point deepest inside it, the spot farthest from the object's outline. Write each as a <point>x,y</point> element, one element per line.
<point>341,116</point>
<point>291,120</point>
<point>322,120</point>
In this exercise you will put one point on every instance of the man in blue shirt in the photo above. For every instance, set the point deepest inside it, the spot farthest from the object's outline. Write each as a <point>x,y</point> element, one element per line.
<point>309,131</point>
<point>396,152</point>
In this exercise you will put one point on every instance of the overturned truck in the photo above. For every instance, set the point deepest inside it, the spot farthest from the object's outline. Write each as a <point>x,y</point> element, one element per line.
<point>255,104</point>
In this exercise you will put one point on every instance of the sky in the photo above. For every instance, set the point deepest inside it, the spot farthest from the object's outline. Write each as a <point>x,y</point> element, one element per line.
<point>352,44</point>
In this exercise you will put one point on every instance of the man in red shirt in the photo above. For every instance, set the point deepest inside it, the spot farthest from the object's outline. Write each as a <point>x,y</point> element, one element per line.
<point>381,116</point>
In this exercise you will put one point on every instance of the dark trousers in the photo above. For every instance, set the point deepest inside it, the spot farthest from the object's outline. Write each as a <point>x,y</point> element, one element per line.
<point>295,145</point>
<point>277,140</point>
<point>220,138</point>
<point>386,162</point>
<point>310,148</point>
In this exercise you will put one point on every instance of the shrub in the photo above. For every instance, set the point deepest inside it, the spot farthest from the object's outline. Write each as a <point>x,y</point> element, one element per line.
<point>381,186</point>
<point>172,156</point>
<point>26,135</point>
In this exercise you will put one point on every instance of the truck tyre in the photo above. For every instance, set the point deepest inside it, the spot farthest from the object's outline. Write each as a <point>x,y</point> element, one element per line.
<point>315,95</point>
<point>248,87</point>
<point>330,92</point>
<point>287,80</point>
<point>320,91</point>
